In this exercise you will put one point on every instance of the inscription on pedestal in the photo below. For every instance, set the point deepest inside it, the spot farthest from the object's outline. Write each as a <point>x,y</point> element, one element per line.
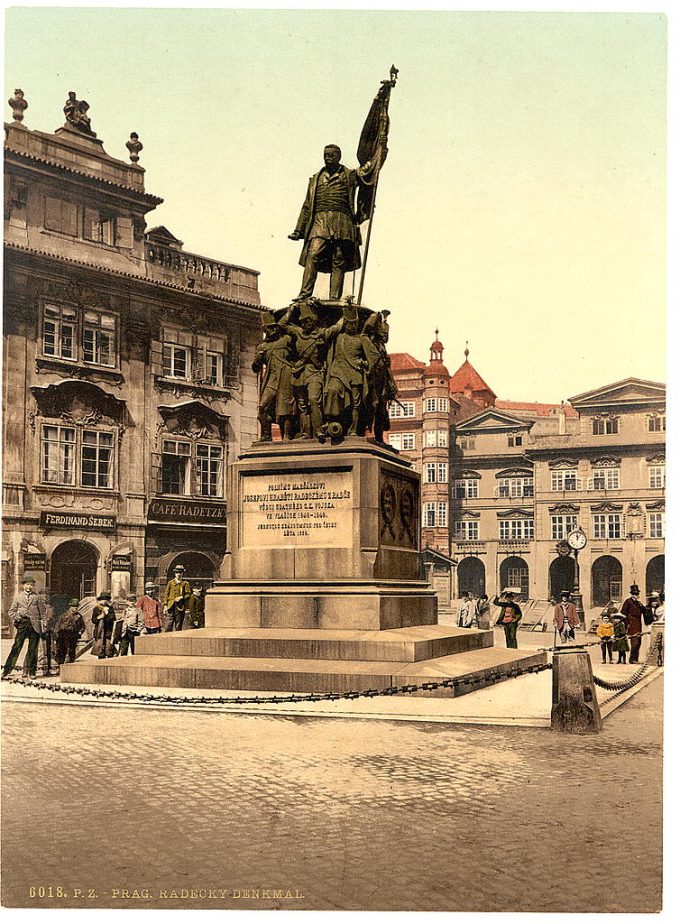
<point>306,510</point>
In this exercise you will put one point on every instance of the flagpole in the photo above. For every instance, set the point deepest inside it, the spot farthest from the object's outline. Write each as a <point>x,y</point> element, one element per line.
<point>390,84</point>
<point>368,241</point>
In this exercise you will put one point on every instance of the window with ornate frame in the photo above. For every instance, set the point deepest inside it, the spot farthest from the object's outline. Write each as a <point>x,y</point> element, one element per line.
<point>77,457</point>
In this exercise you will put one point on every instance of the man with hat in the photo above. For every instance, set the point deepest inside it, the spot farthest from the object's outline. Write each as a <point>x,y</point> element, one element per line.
<point>276,401</point>
<point>195,614</point>
<point>634,611</point>
<point>177,593</point>
<point>68,630</point>
<point>28,614</point>
<point>566,618</point>
<point>107,627</point>
<point>510,616</point>
<point>151,609</point>
<point>311,346</point>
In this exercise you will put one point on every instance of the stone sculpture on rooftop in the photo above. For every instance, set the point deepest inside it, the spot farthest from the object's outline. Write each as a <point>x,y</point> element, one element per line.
<point>75,111</point>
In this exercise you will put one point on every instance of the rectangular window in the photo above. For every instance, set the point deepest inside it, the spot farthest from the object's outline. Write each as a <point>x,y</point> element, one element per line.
<point>430,438</point>
<point>175,361</point>
<point>59,332</point>
<point>209,470</point>
<point>656,525</point>
<point>466,487</point>
<point>99,338</point>
<point>443,405</point>
<point>430,472</point>
<point>657,424</point>
<point>515,440</point>
<point>467,442</point>
<point>403,409</point>
<point>442,438</point>
<point>466,529</point>
<point>657,476</point>
<point>395,440</point>
<point>61,216</point>
<point>516,529</point>
<point>605,479</point>
<point>429,513</point>
<point>99,227</point>
<point>430,405</point>
<point>521,486</point>
<point>563,524</point>
<point>606,526</point>
<point>176,467</point>
<point>563,479</point>
<point>442,513</point>
<point>58,455</point>
<point>96,453</point>
<point>605,425</point>
<point>442,472</point>
<point>408,441</point>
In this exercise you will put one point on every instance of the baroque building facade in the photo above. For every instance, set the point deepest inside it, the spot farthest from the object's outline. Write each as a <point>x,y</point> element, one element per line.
<point>522,475</point>
<point>127,382</point>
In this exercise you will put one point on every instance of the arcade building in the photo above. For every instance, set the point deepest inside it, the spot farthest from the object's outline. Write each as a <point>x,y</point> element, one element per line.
<point>127,383</point>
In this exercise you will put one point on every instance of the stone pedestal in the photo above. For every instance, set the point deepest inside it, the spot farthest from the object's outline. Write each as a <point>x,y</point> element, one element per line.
<point>320,589</point>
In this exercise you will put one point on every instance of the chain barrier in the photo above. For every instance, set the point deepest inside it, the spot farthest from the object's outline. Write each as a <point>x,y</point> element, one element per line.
<point>623,685</point>
<point>452,683</point>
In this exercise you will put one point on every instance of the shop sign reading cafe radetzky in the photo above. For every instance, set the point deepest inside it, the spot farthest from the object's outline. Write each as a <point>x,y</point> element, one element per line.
<point>162,510</point>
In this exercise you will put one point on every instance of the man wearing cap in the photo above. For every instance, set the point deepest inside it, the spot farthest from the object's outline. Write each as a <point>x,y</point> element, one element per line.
<point>151,609</point>
<point>68,630</point>
<point>107,628</point>
<point>27,613</point>
<point>566,618</point>
<point>195,614</point>
<point>177,593</point>
<point>276,401</point>
<point>634,612</point>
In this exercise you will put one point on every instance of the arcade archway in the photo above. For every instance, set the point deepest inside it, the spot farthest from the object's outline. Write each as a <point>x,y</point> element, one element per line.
<point>562,572</point>
<point>515,573</point>
<point>606,580</point>
<point>471,577</point>
<point>655,576</point>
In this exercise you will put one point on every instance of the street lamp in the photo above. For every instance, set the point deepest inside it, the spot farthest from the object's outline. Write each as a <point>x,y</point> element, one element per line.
<point>577,541</point>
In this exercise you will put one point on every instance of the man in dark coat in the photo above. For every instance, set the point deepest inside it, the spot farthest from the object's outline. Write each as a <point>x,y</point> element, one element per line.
<point>634,612</point>
<point>510,616</point>
<point>68,629</point>
<point>27,613</point>
<point>107,627</point>
<point>329,224</point>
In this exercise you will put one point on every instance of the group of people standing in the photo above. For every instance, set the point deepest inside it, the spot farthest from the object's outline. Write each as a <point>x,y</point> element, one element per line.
<point>114,629</point>
<point>476,614</point>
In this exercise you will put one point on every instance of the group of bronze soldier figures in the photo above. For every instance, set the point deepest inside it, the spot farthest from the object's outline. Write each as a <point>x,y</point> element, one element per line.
<point>321,380</point>
<point>114,632</point>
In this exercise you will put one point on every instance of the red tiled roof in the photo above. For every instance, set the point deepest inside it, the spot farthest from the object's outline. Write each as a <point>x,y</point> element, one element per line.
<point>401,362</point>
<point>535,408</point>
<point>466,378</point>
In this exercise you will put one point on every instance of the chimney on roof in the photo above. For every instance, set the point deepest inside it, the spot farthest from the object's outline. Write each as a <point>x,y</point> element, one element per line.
<point>562,420</point>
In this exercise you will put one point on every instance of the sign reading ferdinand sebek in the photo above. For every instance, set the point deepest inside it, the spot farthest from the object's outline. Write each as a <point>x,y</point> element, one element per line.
<point>290,510</point>
<point>97,521</point>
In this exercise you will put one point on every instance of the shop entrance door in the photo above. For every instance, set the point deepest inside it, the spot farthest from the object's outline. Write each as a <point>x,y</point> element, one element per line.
<point>73,572</point>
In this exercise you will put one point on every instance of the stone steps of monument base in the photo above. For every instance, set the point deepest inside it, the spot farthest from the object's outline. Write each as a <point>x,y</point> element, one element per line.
<point>298,676</point>
<point>415,643</point>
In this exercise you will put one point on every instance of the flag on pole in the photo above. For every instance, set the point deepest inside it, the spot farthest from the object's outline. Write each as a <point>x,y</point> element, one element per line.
<point>372,149</point>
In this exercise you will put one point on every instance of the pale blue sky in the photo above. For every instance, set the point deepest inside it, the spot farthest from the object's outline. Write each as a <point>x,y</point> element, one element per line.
<point>522,204</point>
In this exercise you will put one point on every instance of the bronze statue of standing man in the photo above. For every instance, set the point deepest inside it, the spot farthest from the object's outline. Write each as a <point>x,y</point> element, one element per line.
<point>329,223</point>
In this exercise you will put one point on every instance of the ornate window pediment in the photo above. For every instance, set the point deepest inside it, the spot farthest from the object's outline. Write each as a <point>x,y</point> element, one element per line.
<point>193,419</point>
<point>607,508</point>
<point>468,515</point>
<point>564,508</point>
<point>658,505</point>
<point>516,473</point>
<point>605,462</point>
<point>658,459</point>
<point>467,473</point>
<point>79,403</point>
<point>516,513</point>
<point>563,463</point>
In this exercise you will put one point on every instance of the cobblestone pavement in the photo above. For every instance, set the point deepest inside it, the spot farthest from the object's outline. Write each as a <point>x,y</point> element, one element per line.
<point>344,814</point>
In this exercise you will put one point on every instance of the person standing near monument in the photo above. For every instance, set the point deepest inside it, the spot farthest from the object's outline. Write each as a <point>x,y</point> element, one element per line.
<point>133,623</point>
<point>510,616</point>
<point>273,359</point>
<point>195,614</point>
<point>565,618</point>
<point>177,593</point>
<point>27,613</point>
<point>151,609</point>
<point>605,633</point>
<point>483,612</point>
<point>68,630</point>
<point>465,614</point>
<point>107,627</point>
<point>634,611</point>
<point>620,645</point>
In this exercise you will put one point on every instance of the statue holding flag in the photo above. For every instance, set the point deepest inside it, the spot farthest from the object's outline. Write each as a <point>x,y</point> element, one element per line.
<point>340,200</point>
